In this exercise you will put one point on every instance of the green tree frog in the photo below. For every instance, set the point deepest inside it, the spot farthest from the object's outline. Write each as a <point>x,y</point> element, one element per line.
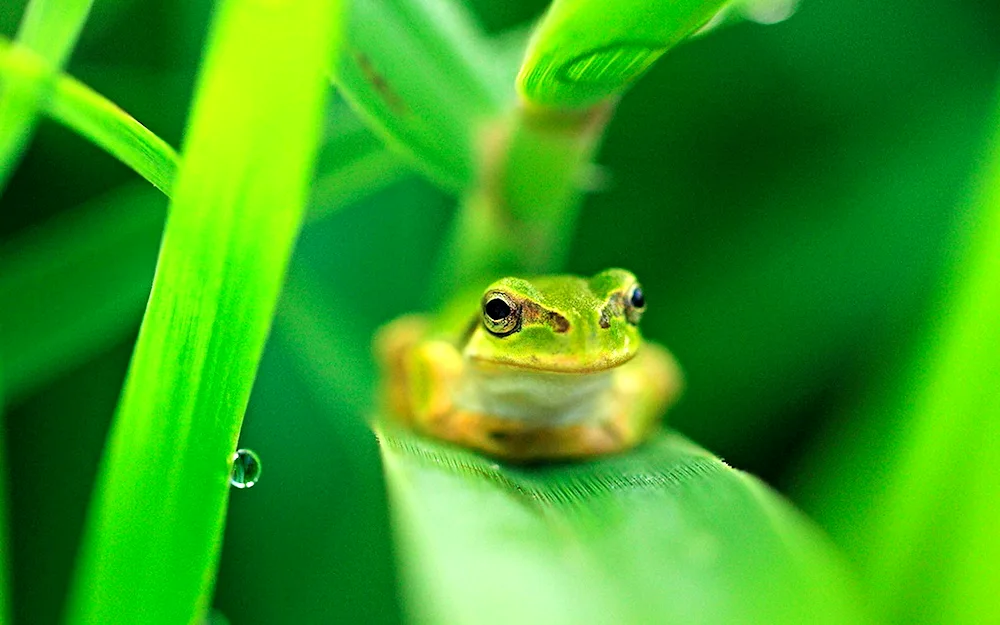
<point>549,368</point>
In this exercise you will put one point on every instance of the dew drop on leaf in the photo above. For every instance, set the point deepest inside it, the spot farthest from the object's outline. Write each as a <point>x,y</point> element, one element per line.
<point>246,469</point>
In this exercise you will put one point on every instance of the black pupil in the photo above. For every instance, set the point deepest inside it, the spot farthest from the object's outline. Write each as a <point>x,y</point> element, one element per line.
<point>497,309</point>
<point>638,299</point>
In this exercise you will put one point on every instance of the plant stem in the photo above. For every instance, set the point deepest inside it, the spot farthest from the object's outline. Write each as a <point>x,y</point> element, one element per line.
<point>519,216</point>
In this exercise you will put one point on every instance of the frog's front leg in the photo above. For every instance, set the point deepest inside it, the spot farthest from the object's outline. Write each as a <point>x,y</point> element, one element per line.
<point>641,391</point>
<point>644,388</point>
<point>433,370</point>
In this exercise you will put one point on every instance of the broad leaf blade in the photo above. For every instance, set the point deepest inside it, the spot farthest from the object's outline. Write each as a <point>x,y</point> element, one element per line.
<point>152,543</point>
<point>666,534</point>
<point>585,51</point>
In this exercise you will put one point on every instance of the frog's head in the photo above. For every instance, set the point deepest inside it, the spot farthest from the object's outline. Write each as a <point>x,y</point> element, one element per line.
<point>559,323</point>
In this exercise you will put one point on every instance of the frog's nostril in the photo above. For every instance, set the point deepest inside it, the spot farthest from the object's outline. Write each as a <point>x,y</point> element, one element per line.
<point>605,320</point>
<point>558,322</point>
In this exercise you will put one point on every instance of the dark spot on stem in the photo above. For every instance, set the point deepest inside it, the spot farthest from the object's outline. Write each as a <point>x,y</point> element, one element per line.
<point>380,84</point>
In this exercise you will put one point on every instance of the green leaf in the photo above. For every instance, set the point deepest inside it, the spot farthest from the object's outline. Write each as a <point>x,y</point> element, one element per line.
<point>909,486</point>
<point>420,73</point>
<point>665,534</point>
<point>49,28</point>
<point>151,546</point>
<point>586,51</point>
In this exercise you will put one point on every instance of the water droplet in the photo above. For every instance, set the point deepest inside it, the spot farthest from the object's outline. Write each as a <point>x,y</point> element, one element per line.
<point>246,469</point>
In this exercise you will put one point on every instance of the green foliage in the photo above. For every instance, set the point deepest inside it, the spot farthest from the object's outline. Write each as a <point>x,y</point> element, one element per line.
<point>153,537</point>
<point>49,28</point>
<point>628,539</point>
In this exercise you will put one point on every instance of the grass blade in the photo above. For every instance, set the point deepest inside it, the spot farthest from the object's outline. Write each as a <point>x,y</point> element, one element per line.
<point>666,534</point>
<point>152,543</point>
<point>587,51</point>
<point>49,28</point>
<point>419,73</point>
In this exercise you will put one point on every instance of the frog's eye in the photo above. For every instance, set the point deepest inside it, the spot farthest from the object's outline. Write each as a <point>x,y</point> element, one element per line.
<point>501,314</point>
<point>635,304</point>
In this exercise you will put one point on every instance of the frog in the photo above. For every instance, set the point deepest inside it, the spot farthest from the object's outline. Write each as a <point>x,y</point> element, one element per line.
<point>529,370</point>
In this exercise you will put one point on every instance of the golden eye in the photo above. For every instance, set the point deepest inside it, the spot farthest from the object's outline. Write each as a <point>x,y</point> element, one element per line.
<point>501,314</point>
<point>635,304</point>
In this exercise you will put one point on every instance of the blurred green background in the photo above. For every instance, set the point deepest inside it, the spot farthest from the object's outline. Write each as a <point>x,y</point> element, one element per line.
<point>788,195</point>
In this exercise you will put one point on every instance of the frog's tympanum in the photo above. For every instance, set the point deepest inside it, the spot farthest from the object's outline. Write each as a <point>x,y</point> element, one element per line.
<point>527,370</point>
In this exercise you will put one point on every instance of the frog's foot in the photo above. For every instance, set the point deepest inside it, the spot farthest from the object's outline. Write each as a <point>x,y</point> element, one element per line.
<point>516,442</point>
<point>641,392</point>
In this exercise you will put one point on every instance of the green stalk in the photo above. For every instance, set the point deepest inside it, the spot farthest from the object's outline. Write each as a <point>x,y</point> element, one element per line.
<point>50,28</point>
<point>517,218</point>
<point>151,546</point>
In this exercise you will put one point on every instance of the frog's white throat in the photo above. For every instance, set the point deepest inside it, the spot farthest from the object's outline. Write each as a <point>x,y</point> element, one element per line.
<point>535,398</point>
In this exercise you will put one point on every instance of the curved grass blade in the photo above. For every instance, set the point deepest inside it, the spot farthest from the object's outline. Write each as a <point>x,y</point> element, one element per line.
<point>419,73</point>
<point>151,546</point>
<point>910,488</point>
<point>78,107</point>
<point>586,51</point>
<point>665,534</point>
<point>50,28</point>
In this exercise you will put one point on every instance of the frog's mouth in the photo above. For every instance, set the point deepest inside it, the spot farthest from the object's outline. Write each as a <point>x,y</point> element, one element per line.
<point>552,363</point>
